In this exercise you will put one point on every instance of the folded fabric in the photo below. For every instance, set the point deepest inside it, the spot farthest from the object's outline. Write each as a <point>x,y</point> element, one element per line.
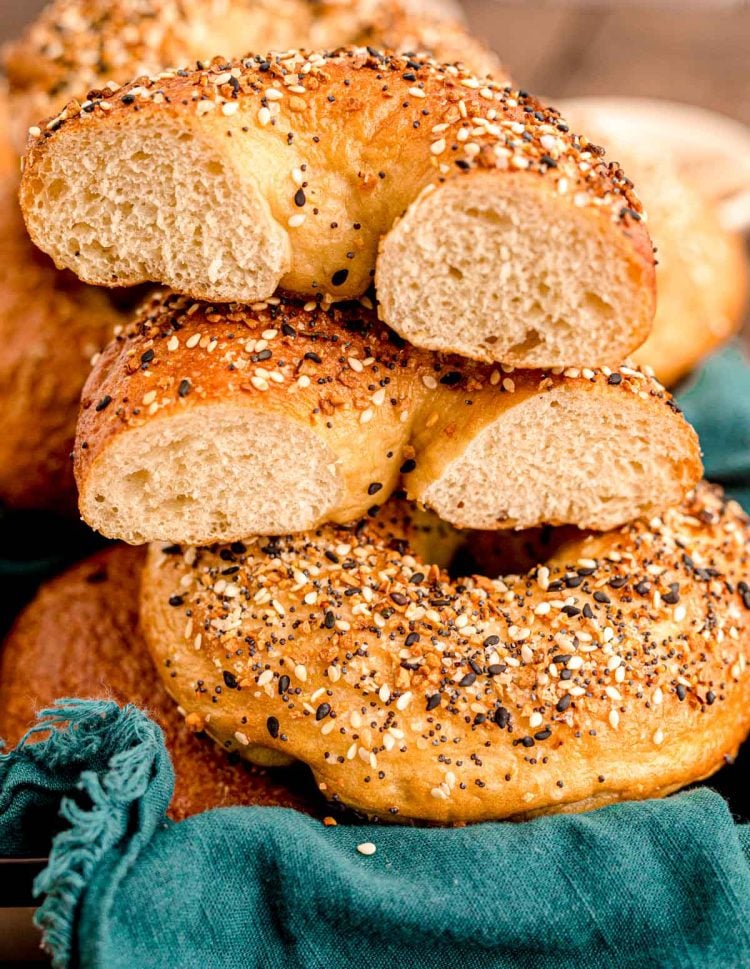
<point>716,401</point>
<point>657,883</point>
<point>662,883</point>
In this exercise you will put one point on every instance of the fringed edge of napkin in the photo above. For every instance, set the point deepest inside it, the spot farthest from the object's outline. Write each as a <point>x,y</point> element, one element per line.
<point>129,745</point>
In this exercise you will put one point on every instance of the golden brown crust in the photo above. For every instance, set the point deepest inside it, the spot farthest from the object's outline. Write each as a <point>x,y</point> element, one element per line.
<point>617,670</point>
<point>375,131</point>
<point>50,326</point>
<point>75,46</point>
<point>337,371</point>
<point>79,638</point>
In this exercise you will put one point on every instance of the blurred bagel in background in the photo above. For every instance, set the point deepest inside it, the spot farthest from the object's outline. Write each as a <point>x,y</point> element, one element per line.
<point>686,180</point>
<point>74,46</point>
<point>50,326</point>
<point>80,638</point>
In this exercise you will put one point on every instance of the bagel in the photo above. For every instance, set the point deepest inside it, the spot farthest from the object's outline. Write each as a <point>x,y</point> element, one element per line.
<point>50,326</point>
<point>702,268</point>
<point>204,423</point>
<point>517,242</point>
<point>75,46</point>
<point>617,670</point>
<point>79,638</point>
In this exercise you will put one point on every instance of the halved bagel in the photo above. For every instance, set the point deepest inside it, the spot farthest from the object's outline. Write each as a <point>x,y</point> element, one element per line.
<point>206,422</point>
<point>615,670</point>
<point>518,243</point>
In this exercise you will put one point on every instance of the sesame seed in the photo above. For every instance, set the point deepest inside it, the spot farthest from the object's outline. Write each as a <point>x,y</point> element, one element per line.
<point>367,848</point>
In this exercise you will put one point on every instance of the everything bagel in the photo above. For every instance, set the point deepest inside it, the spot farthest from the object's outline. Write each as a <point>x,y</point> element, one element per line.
<point>618,669</point>
<point>204,423</point>
<point>518,243</point>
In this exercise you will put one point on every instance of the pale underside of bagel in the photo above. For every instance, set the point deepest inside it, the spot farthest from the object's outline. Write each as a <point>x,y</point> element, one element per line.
<point>212,473</point>
<point>155,203</point>
<point>506,270</point>
<point>567,458</point>
<point>220,472</point>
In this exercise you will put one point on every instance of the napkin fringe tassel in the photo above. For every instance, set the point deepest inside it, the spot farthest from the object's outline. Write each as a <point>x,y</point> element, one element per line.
<point>77,731</point>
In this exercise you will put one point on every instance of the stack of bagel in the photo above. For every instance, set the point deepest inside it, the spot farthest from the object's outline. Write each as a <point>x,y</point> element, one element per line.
<point>412,517</point>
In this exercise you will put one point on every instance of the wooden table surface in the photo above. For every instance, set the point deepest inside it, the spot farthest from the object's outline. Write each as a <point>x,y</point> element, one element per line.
<point>696,52</point>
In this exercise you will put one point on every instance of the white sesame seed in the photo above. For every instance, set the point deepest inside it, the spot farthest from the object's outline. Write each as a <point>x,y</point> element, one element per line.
<point>173,343</point>
<point>438,147</point>
<point>367,848</point>
<point>193,341</point>
<point>417,92</point>
<point>614,719</point>
<point>366,416</point>
<point>403,701</point>
<point>229,108</point>
<point>34,131</point>
<point>264,116</point>
<point>203,107</point>
<point>273,94</point>
<point>536,719</point>
<point>295,221</point>
<point>659,736</point>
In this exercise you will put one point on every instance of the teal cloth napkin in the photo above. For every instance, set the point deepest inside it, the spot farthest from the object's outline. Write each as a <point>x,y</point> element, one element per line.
<point>658,883</point>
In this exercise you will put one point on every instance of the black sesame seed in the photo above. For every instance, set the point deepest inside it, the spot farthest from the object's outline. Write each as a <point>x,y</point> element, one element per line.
<point>408,466</point>
<point>299,198</point>
<point>176,600</point>
<point>433,701</point>
<point>340,277</point>
<point>468,679</point>
<point>323,710</point>
<point>563,703</point>
<point>230,679</point>
<point>374,488</point>
<point>615,379</point>
<point>184,389</point>
<point>272,725</point>
<point>284,682</point>
<point>681,691</point>
<point>104,402</point>
<point>502,717</point>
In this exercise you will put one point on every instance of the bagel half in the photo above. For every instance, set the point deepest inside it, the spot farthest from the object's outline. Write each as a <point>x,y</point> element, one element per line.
<point>50,327</point>
<point>75,46</point>
<point>205,423</point>
<point>517,242</point>
<point>79,638</point>
<point>702,268</point>
<point>616,670</point>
